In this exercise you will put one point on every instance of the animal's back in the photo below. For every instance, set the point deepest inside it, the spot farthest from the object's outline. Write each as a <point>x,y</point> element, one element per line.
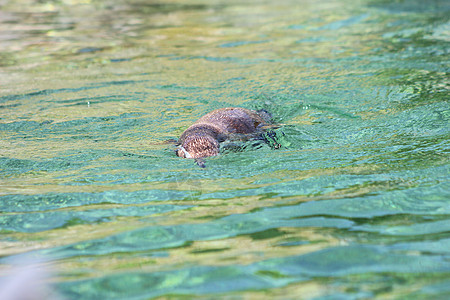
<point>233,120</point>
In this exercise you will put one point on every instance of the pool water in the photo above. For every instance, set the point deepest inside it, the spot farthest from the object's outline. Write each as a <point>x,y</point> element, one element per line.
<point>353,203</point>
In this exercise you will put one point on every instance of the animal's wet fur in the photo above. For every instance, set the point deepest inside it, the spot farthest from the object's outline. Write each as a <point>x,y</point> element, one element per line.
<point>202,138</point>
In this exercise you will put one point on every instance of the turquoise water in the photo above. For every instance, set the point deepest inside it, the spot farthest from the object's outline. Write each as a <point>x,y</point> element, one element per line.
<point>354,205</point>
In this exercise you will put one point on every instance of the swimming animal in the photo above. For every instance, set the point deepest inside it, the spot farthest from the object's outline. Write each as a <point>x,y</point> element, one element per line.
<point>202,138</point>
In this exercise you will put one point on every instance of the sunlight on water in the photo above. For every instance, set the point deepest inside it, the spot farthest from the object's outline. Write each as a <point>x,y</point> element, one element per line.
<point>353,203</point>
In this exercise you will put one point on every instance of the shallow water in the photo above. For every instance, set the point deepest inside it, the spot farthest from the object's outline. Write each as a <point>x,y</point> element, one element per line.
<point>354,205</point>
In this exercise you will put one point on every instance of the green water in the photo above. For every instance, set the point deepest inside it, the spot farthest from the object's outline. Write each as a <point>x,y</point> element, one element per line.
<point>354,205</point>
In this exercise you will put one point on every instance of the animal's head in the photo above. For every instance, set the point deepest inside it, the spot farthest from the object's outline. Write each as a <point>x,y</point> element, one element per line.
<point>197,146</point>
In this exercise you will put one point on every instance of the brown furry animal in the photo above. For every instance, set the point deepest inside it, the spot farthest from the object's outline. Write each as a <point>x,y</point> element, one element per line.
<point>203,137</point>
